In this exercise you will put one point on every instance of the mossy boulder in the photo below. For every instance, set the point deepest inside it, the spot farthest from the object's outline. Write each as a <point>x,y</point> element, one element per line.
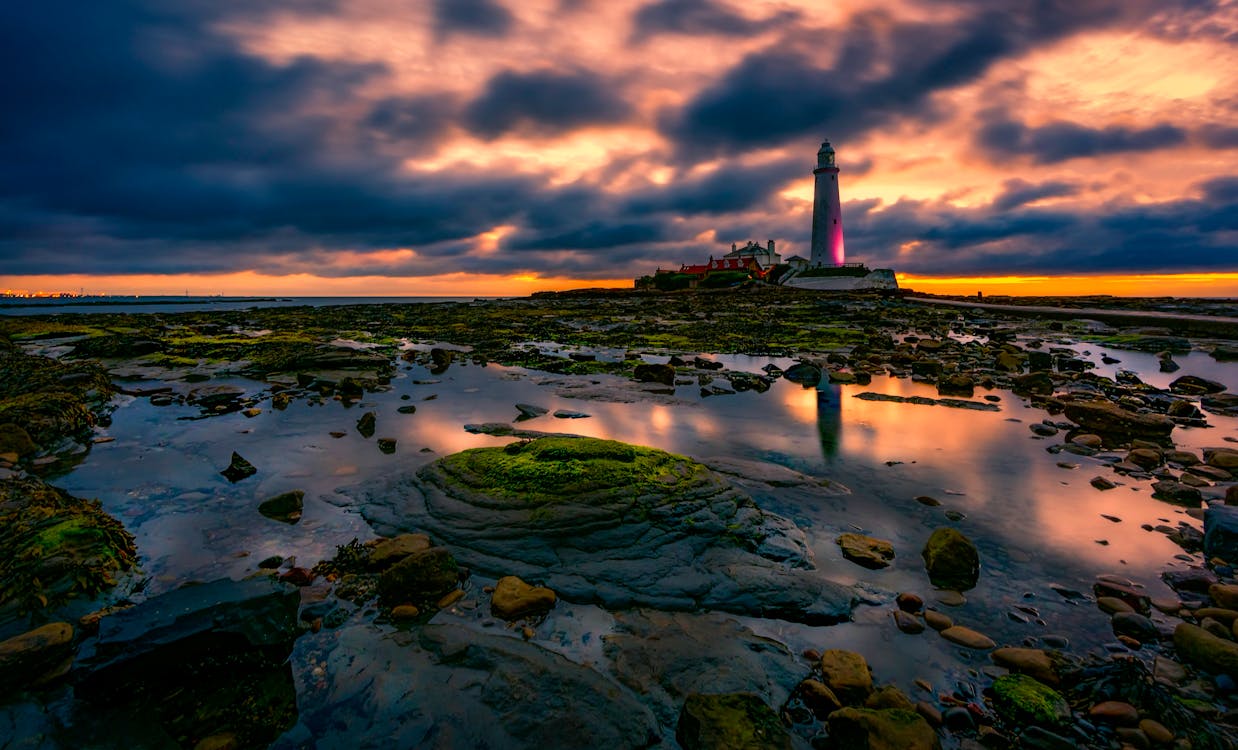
<point>883,729</point>
<point>420,577</point>
<point>54,546</point>
<point>15,440</point>
<point>48,416</point>
<point>1021,699</point>
<point>1205,650</point>
<point>951,559</point>
<point>732,721</point>
<point>611,523</point>
<point>846,673</point>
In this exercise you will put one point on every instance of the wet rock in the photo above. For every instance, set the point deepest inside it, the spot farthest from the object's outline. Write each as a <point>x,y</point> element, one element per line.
<point>366,424</point>
<point>185,659</point>
<point>663,656</point>
<point>818,698</point>
<point>514,599</point>
<point>655,373</point>
<point>885,729</point>
<point>1221,532</point>
<point>387,552</point>
<point>1205,650</point>
<point>1224,594</point>
<point>1156,732</point>
<point>1176,492</point>
<point>405,613</point>
<point>238,469</point>
<point>1112,605</point>
<point>1145,458</point>
<point>889,696</point>
<point>1023,700</point>
<point>473,690</point>
<point>1106,418</point>
<point>621,525</point>
<point>55,546</point>
<point>1039,738</point>
<point>36,657</point>
<point>419,577</point>
<point>1221,458</point>
<point>956,385</point>
<point>866,551</point>
<point>1225,404</point>
<point>847,675</point>
<point>1036,383</point>
<point>1118,713</point>
<point>937,620</point>
<point>1102,483</point>
<point>951,559</point>
<point>285,507</point>
<point>909,602</point>
<point>1133,597</point>
<point>1043,430</point>
<point>1134,625</point>
<point>14,439</point>
<point>1193,385</point>
<point>570,414</point>
<point>1033,662</point>
<point>386,444</point>
<point>803,373</point>
<point>731,720</point>
<point>907,622</point>
<point>967,638</point>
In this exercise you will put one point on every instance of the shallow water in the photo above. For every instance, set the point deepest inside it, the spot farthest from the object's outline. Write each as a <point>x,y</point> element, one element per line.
<point>1034,521</point>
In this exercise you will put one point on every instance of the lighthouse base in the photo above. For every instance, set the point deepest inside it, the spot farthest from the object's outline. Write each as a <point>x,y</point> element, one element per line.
<point>881,278</point>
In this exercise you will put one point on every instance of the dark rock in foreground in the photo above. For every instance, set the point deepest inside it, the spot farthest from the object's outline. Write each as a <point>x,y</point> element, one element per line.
<point>54,546</point>
<point>951,560</point>
<point>445,687</point>
<point>620,525</point>
<point>200,661</point>
<point>1106,418</point>
<point>732,720</point>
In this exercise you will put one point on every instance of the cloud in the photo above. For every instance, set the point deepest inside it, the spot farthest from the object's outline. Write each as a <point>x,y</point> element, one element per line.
<point>700,18</point>
<point>1018,192</point>
<point>1060,141</point>
<point>486,18</point>
<point>545,102</point>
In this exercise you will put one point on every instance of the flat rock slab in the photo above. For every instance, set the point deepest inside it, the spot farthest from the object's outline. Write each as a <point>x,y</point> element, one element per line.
<point>445,686</point>
<point>678,537</point>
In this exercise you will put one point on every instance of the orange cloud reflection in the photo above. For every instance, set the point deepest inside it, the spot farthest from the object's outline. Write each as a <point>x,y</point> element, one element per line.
<point>1144,285</point>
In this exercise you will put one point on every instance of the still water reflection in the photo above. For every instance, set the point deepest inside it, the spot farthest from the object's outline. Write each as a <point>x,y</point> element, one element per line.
<point>1034,515</point>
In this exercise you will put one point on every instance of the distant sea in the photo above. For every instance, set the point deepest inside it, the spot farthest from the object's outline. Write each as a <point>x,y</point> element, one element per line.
<point>136,304</point>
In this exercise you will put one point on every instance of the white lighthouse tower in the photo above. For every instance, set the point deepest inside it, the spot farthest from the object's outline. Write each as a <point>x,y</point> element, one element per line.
<point>827,212</point>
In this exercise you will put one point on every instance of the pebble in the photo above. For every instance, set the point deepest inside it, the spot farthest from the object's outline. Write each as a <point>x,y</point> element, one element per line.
<point>967,638</point>
<point>909,602</point>
<point>1111,605</point>
<point>1157,732</point>
<point>1118,713</point>
<point>907,622</point>
<point>951,598</point>
<point>936,620</point>
<point>405,612</point>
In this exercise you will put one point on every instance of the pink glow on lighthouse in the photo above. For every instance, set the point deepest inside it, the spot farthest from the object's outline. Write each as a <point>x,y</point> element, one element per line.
<point>827,213</point>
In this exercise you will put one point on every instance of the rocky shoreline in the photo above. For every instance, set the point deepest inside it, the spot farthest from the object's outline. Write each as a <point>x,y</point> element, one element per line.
<point>672,547</point>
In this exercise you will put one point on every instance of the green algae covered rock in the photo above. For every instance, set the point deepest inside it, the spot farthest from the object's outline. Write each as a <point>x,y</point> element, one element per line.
<point>1205,650</point>
<point>951,559</point>
<point>1022,700</point>
<point>611,523</point>
<point>732,721</point>
<point>54,546</point>
<point>883,729</point>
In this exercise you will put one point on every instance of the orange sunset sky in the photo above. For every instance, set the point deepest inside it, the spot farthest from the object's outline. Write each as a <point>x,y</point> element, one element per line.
<point>485,147</point>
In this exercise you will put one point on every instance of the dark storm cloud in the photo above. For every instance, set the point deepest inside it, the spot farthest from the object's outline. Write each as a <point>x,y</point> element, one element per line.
<point>1180,236</point>
<point>1018,192</point>
<point>731,188</point>
<point>480,17</point>
<point>1060,141</point>
<point>884,72</point>
<point>1219,136</point>
<point>701,18</point>
<point>412,121</point>
<point>545,102</point>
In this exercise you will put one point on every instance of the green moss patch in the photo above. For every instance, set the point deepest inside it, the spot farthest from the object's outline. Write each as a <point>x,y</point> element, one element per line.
<point>1023,700</point>
<point>54,546</point>
<point>549,468</point>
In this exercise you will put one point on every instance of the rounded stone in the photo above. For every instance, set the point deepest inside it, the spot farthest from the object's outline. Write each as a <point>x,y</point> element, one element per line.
<point>967,638</point>
<point>1118,713</point>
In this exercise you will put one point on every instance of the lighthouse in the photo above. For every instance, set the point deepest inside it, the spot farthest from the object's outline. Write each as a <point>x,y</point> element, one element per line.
<point>827,212</point>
